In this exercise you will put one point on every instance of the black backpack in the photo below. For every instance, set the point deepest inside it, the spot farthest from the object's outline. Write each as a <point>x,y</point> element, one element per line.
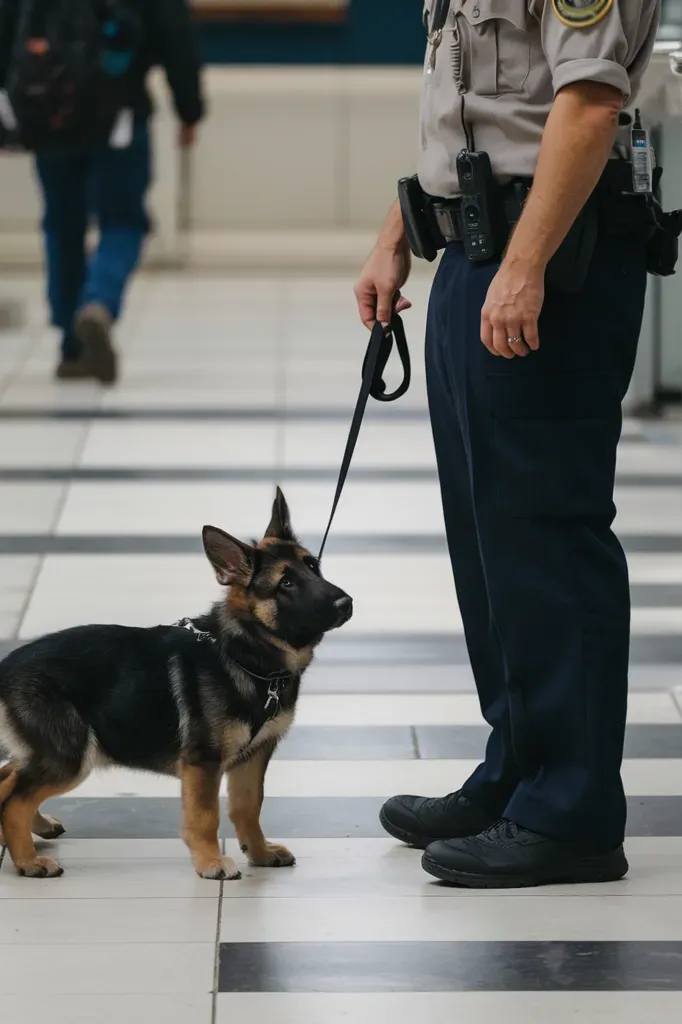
<point>69,73</point>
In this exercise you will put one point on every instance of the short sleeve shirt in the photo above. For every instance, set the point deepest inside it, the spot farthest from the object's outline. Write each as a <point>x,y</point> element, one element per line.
<point>501,62</point>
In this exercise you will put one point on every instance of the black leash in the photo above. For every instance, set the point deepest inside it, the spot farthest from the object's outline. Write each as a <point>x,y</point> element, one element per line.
<point>376,357</point>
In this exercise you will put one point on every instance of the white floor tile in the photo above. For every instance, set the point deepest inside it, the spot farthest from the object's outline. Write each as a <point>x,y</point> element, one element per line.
<point>384,444</point>
<point>443,709</point>
<point>40,444</point>
<point>103,968</point>
<point>656,568</point>
<point>38,1007</point>
<point>30,507</point>
<point>345,869</point>
<point>641,776</point>
<point>366,508</point>
<point>649,459</point>
<point>151,508</point>
<point>445,1008</point>
<point>649,510</point>
<point>148,589</point>
<point>120,876</point>
<point>442,919</point>
<point>225,394</point>
<point>214,444</point>
<point>24,922</point>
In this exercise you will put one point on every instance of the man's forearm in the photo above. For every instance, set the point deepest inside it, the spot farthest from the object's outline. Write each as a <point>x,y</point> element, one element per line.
<point>576,145</point>
<point>392,234</point>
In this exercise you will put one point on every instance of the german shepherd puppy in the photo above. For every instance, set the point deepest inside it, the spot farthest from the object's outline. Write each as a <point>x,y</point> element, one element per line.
<point>197,699</point>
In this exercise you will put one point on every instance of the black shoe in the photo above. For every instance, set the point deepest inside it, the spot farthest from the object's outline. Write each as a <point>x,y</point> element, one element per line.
<point>508,856</point>
<point>73,369</point>
<point>93,330</point>
<point>420,820</point>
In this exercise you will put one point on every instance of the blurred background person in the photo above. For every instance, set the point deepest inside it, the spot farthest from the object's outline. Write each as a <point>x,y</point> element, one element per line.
<point>83,176</point>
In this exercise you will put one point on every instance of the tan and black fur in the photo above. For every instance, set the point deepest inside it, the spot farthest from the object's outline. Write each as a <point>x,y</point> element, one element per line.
<point>167,700</point>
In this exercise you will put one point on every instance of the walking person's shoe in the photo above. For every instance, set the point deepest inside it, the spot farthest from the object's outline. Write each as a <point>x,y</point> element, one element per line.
<point>93,329</point>
<point>419,821</point>
<point>72,369</point>
<point>507,856</point>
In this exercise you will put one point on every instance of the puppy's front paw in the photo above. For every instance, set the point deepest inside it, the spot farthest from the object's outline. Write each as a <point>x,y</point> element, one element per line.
<point>273,856</point>
<point>224,868</point>
<point>41,867</point>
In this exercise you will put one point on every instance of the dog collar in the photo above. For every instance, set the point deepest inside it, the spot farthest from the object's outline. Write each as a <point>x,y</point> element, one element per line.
<point>275,682</point>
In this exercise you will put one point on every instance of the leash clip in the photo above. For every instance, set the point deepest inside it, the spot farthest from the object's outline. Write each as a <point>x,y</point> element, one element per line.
<point>273,695</point>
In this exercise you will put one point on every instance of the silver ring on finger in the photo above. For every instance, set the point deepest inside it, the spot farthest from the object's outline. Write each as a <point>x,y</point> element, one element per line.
<point>514,341</point>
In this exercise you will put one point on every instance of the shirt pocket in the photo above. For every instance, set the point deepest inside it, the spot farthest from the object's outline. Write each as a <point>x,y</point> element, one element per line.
<point>499,45</point>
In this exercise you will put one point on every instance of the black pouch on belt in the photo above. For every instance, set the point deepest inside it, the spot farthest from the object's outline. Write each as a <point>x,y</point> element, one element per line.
<point>423,234</point>
<point>663,246</point>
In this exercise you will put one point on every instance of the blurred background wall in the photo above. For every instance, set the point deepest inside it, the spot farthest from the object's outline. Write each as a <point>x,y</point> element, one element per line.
<point>312,117</point>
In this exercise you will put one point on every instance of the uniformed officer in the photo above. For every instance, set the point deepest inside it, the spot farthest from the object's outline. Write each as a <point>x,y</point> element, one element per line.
<point>525,383</point>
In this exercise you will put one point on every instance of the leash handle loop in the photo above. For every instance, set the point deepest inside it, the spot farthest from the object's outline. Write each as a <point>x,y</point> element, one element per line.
<point>373,366</point>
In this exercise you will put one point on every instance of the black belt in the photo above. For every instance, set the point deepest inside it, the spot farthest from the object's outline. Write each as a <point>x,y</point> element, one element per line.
<point>613,190</point>
<point>374,364</point>
<point>445,212</point>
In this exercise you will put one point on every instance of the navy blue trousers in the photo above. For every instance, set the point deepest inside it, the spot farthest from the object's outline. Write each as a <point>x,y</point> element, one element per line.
<point>107,186</point>
<point>526,452</point>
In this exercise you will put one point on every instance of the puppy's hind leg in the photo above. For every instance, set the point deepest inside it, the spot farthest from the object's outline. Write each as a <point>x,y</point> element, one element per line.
<point>8,780</point>
<point>46,827</point>
<point>32,787</point>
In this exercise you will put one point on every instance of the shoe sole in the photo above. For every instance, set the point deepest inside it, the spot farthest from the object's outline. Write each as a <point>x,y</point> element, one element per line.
<point>98,350</point>
<point>409,838</point>
<point>586,870</point>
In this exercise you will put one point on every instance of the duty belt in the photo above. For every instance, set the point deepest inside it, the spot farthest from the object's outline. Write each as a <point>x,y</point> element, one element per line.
<point>612,194</point>
<point>446,214</point>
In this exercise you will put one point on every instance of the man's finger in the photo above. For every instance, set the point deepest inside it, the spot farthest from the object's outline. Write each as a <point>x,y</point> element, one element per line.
<point>384,307</point>
<point>366,308</point>
<point>500,335</point>
<point>515,335</point>
<point>402,304</point>
<point>530,334</point>
<point>487,334</point>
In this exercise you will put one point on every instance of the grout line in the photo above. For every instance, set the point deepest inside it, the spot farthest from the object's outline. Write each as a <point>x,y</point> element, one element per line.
<point>216,959</point>
<point>677,698</point>
<point>415,743</point>
<point>59,508</point>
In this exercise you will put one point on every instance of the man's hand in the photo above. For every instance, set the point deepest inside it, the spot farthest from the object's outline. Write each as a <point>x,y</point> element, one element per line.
<point>187,135</point>
<point>576,144</point>
<point>384,274</point>
<point>511,309</point>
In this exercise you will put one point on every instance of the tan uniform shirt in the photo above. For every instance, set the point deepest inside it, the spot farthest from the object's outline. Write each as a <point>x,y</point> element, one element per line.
<point>508,59</point>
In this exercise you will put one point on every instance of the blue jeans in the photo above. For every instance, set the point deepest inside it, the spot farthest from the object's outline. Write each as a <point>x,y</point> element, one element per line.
<point>107,186</point>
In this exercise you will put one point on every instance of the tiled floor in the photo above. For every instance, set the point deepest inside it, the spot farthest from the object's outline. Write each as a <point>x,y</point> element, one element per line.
<point>229,386</point>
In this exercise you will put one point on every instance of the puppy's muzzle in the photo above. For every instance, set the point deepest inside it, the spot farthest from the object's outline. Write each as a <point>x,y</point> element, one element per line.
<point>344,609</point>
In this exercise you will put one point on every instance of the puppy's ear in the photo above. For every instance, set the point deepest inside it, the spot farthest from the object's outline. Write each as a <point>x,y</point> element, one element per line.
<point>232,560</point>
<point>280,523</point>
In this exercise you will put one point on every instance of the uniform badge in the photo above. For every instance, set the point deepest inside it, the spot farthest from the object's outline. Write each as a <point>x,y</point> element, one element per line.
<point>581,13</point>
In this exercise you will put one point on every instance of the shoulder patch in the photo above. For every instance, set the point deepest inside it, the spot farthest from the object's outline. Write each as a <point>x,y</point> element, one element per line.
<point>581,13</point>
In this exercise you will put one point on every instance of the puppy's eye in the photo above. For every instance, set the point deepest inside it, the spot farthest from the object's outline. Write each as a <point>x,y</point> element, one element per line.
<point>310,563</point>
<point>285,582</point>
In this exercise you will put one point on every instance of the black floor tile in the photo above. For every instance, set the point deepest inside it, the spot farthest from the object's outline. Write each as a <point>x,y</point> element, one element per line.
<point>348,743</point>
<point>450,966</point>
<point>468,741</point>
<point>294,817</point>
